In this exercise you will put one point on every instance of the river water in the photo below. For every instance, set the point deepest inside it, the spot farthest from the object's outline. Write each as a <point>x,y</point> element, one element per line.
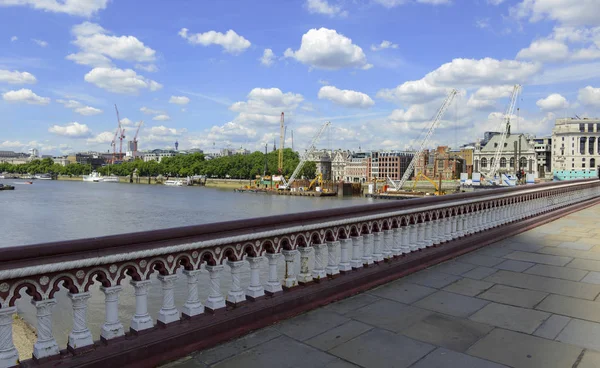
<point>59,210</point>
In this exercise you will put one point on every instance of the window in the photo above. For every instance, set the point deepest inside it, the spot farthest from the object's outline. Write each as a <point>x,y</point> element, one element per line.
<point>592,163</point>
<point>597,127</point>
<point>583,164</point>
<point>582,145</point>
<point>522,162</point>
<point>590,128</point>
<point>591,145</point>
<point>512,162</point>
<point>484,162</point>
<point>503,162</point>
<point>563,139</point>
<point>505,144</point>
<point>583,159</point>
<point>572,165</point>
<point>582,127</point>
<point>495,145</point>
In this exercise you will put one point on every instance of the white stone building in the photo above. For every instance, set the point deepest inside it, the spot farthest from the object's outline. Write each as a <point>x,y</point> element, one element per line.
<point>576,144</point>
<point>338,164</point>
<point>322,160</point>
<point>158,155</point>
<point>356,168</point>
<point>483,156</point>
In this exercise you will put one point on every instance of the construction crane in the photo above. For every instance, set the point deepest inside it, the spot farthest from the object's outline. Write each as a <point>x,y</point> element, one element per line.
<point>281,140</point>
<point>113,143</point>
<point>505,129</point>
<point>135,141</point>
<point>316,181</point>
<point>423,176</point>
<point>120,133</point>
<point>311,148</point>
<point>415,158</point>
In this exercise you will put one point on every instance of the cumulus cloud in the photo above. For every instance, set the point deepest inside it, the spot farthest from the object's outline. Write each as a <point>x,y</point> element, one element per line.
<point>568,12</point>
<point>552,102</point>
<point>149,111</point>
<point>231,130</point>
<point>230,41</point>
<point>179,100</point>
<point>485,97</point>
<point>120,81</point>
<point>384,45</point>
<point>347,98</point>
<point>151,68</point>
<point>80,108</point>
<point>326,49</point>
<point>589,96</point>
<point>126,122</point>
<point>71,130</point>
<point>323,7</point>
<point>40,42</point>
<point>104,137</point>
<point>267,58</point>
<point>80,8</point>
<point>162,117</point>
<point>14,38</point>
<point>164,131</point>
<point>418,91</point>
<point>394,3</point>
<point>26,96</point>
<point>545,50</point>
<point>16,77</point>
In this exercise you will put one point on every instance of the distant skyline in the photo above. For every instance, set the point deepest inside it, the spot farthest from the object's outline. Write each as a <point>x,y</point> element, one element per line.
<point>217,74</point>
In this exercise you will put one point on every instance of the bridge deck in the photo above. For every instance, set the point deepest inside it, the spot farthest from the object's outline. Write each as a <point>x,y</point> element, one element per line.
<point>528,301</point>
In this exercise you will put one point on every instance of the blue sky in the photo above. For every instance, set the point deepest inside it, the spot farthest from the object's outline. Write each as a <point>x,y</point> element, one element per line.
<point>216,74</point>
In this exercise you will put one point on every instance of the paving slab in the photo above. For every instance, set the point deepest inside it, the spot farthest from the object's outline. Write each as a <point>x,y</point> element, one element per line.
<point>450,332</point>
<point>564,273</point>
<point>186,362</point>
<point>591,359</point>
<point>519,350</point>
<point>281,352</point>
<point>530,245</point>
<point>431,278</point>
<point>338,335</point>
<point>585,264</point>
<point>592,278</point>
<point>389,315</point>
<point>539,258</point>
<point>468,287</point>
<point>509,317</point>
<point>479,273</point>
<point>479,260</point>
<point>581,333</point>
<point>575,245</point>
<point>552,326</point>
<point>237,346</point>
<point>454,268</point>
<point>310,324</point>
<point>496,250</point>
<point>570,253</point>
<point>379,348</point>
<point>452,304</point>
<point>339,363</point>
<point>352,303</point>
<point>546,284</point>
<point>572,307</point>
<point>444,358</point>
<point>511,265</point>
<point>403,292</point>
<point>513,296</point>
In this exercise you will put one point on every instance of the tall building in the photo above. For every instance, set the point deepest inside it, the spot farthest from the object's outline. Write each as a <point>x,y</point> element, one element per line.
<point>575,144</point>
<point>523,155</point>
<point>388,164</point>
<point>543,150</point>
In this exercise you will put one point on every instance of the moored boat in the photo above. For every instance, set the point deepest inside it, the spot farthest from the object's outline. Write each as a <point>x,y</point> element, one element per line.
<point>174,183</point>
<point>6,187</point>
<point>110,179</point>
<point>43,177</point>
<point>94,177</point>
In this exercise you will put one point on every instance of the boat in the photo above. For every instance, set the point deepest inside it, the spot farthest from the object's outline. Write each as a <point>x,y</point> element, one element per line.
<point>23,182</point>
<point>110,179</point>
<point>174,183</point>
<point>94,177</point>
<point>6,187</point>
<point>43,177</point>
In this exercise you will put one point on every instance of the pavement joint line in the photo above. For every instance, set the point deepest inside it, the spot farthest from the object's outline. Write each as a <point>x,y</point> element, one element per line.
<point>540,302</point>
<point>579,358</point>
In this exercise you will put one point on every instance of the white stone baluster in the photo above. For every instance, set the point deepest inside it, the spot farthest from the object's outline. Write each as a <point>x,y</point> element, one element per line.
<point>193,306</point>
<point>429,233</point>
<point>236,294</point>
<point>388,243</point>
<point>112,327</point>
<point>80,335</point>
<point>454,227</point>
<point>318,271</point>
<point>367,258</point>
<point>377,246</point>
<point>412,237</point>
<point>421,235</point>
<point>46,345</point>
<point>448,229</point>
<point>290,280</point>
<point>397,242</point>
<point>435,232</point>
<point>459,226</point>
<point>332,268</point>
<point>273,284</point>
<point>168,313</point>
<point>304,277</point>
<point>344,265</point>
<point>357,244</point>
<point>404,234</point>
<point>141,320</point>
<point>9,356</point>
<point>255,290</point>
<point>215,299</point>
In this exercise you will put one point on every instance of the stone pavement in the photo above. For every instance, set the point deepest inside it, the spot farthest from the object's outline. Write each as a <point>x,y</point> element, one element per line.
<point>527,301</point>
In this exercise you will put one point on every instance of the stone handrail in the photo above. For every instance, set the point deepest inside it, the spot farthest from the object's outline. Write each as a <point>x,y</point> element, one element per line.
<point>362,236</point>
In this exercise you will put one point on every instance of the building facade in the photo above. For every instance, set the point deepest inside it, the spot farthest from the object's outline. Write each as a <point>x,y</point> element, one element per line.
<point>543,150</point>
<point>575,144</point>
<point>517,154</point>
<point>158,155</point>
<point>338,164</point>
<point>15,158</point>
<point>356,168</point>
<point>322,160</point>
<point>388,164</point>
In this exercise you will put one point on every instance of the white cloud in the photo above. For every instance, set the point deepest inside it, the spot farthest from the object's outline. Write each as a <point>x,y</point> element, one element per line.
<point>11,144</point>
<point>267,58</point>
<point>40,42</point>
<point>151,68</point>
<point>323,7</point>
<point>568,12</point>
<point>435,2</point>
<point>120,81</point>
<point>384,45</point>
<point>589,96</point>
<point>83,8</point>
<point>346,97</point>
<point>394,3</point>
<point>149,111</point>
<point>323,82</point>
<point>231,130</point>
<point>415,113</point>
<point>545,50</point>
<point>126,122</point>
<point>161,117</point>
<point>86,58</point>
<point>264,106</point>
<point>104,137</point>
<point>25,95</point>
<point>326,49</point>
<point>71,130</point>
<point>413,91</point>
<point>230,41</point>
<point>16,77</point>
<point>482,23</point>
<point>478,104</point>
<point>80,108</point>
<point>179,100</point>
<point>14,38</point>
<point>495,2</point>
<point>552,102</point>
<point>493,92</point>
<point>164,131</point>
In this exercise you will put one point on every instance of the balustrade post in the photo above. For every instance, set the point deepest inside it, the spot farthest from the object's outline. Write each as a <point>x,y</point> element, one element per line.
<point>112,327</point>
<point>332,268</point>
<point>344,265</point>
<point>448,229</point>
<point>429,233</point>
<point>318,272</point>
<point>9,356</point>
<point>357,244</point>
<point>378,239</point>
<point>404,232</point>
<point>255,290</point>
<point>215,298</point>
<point>290,280</point>
<point>459,225</point>
<point>412,237</point>
<point>435,231</point>
<point>273,284</point>
<point>235,295</point>
<point>397,241</point>
<point>80,335</point>
<point>304,277</point>
<point>168,313</point>
<point>141,320</point>
<point>193,306</point>
<point>367,258</point>
<point>388,243</point>
<point>421,235</point>
<point>46,345</point>
<point>454,227</point>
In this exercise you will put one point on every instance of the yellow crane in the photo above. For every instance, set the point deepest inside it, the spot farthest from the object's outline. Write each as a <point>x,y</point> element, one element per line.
<point>435,185</point>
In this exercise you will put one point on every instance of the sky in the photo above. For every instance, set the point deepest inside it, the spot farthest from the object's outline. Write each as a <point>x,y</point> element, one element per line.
<point>218,74</point>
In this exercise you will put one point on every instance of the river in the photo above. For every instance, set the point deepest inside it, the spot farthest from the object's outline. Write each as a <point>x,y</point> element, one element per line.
<point>59,210</point>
